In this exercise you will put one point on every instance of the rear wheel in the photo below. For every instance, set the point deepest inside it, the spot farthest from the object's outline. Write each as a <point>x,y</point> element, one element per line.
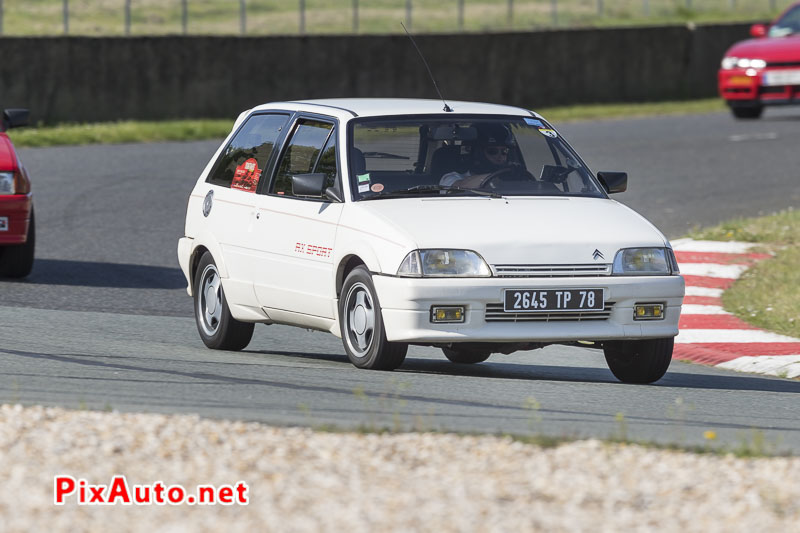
<point>466,355</point>
<point>218,329</point>
<point>640,361</point>
<point>361,324</point>
<point>16,261</point>
<point>749,112</point>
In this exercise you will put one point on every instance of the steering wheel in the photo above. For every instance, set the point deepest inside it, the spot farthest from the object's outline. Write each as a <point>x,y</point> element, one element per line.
<point>503,173</point>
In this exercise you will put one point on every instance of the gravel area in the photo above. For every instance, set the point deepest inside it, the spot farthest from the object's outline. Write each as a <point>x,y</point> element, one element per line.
<point>302,480</point>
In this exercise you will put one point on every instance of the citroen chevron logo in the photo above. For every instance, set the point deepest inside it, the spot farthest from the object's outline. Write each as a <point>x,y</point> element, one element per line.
<point>597,255</point>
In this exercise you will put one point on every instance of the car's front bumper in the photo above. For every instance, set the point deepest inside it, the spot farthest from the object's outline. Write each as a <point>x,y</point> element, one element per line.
<point>742,89</point>
<point>15,212</point>
<point>406,304</point>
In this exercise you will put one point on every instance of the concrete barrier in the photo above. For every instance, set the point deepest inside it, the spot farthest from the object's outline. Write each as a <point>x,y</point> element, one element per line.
<point>69,79</point>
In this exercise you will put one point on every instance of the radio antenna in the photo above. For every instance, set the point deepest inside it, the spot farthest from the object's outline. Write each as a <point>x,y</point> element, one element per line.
<point>447,108</point>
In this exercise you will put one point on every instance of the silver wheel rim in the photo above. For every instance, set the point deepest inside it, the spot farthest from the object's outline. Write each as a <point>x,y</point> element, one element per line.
<point>359,317</point>
<point>209,303</point>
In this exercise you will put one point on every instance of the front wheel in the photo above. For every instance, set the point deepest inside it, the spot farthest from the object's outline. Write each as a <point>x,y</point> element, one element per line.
<point>748,112</point>
<point>218,329</point>
<point>361,325</point>
<point>640,361</point>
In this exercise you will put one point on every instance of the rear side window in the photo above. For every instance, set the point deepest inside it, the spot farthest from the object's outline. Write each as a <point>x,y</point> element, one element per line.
<point>245,159</point>
<point>302,155</point>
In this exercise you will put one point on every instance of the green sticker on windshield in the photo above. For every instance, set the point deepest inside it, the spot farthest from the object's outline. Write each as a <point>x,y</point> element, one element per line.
<point>363,178</point>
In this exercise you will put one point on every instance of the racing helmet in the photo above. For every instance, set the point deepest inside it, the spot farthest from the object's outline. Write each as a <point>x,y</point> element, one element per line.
<point>490,136</point>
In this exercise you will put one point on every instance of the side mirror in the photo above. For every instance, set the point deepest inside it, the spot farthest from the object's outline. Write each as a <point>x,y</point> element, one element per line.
<point>14,118</point>
<point>613,182</point>
<point>758,30</point>
<point>308,184</point>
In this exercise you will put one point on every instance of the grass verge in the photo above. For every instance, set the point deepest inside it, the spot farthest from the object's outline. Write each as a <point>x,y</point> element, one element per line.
<point>283,17</point>
<point>192,130</point>
<point>630,110</point>
<point>121,132</point>
<point>768,294</point>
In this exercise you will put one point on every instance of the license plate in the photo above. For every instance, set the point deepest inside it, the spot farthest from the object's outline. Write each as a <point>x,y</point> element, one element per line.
<point>3,223</point>
<point>552,300</point>
<point>782,77</point>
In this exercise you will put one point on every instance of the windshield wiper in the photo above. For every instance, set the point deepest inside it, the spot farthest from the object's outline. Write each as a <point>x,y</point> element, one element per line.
<point>454,188</point>
<point>421,189</point>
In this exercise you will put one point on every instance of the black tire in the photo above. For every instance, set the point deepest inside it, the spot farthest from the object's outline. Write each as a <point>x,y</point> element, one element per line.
<point>218,329</point>
<point>17,259</point>
<point>642,361</point>
<point>361,325</point>
<point>747,113</point>
<point>466,355</point>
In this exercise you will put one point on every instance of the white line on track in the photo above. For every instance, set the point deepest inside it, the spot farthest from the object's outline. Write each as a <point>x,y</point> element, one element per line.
<point>691,245</point>
<point>729,335</point>
<point>712,270</point>
<point>768,136</point>
<point>694,309</point>
<point>774,365</point>
<point>703,291</point>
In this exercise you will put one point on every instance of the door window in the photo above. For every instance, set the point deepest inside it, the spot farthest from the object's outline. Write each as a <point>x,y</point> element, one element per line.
<point>246,157</point>
<point>304,154</point>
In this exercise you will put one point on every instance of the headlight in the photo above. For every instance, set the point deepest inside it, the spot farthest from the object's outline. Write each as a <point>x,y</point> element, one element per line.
<point>645,262</point>
<point>7,183</point>
<point>729,63</point>
<point>444,263</point>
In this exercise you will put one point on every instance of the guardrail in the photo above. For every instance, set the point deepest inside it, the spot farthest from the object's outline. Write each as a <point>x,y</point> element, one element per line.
<point>286,17</point>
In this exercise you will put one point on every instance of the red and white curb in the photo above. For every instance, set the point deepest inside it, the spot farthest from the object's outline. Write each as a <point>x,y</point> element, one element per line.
<point>712,336</point>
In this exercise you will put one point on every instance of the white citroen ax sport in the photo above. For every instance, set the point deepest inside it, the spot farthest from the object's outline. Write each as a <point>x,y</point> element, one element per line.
<point>475,228</point>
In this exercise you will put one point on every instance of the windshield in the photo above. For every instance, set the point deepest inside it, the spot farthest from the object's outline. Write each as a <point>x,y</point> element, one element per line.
<point>788,24</point>
<point>436,155</point>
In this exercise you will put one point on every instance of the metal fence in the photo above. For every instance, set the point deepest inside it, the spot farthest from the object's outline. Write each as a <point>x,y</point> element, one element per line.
<point>282,17</point>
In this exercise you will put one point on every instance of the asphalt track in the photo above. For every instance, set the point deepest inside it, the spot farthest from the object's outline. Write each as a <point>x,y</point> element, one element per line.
<point>104,321</point>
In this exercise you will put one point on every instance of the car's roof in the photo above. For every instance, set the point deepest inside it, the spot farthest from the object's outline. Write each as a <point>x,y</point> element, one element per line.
<point>370,107</point>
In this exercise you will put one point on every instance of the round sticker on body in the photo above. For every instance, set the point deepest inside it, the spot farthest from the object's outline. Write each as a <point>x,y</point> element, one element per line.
<point>378,187</point>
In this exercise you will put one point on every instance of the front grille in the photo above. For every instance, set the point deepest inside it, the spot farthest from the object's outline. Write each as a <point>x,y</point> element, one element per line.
<point>779,89</point>
<point>551,271</point>
<point>495,313</point>
<point>783,64</point>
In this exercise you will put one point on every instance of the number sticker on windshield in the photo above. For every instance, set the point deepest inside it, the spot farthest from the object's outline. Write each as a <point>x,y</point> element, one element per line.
<point>548,132</point>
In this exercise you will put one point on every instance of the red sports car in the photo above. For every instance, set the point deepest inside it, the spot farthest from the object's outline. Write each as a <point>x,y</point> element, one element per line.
<point>17,232</point>
<point>764,70</point>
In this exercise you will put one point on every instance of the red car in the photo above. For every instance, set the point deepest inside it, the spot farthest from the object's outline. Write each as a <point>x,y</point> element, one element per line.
<point>764,70</point>
<point>17,232</point>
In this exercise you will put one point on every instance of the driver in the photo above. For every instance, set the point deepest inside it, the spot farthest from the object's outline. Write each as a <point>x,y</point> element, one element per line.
<point>489,154</point>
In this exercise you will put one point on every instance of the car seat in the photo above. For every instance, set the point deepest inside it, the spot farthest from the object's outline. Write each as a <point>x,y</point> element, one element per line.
<point>446,159</point>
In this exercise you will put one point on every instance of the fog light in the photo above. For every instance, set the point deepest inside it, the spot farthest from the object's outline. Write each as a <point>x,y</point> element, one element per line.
<point>648,312</point>
<point>450,314</point>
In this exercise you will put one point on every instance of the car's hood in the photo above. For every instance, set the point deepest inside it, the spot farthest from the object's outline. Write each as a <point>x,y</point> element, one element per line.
<point>520,230</point>
<point>770,49</point>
